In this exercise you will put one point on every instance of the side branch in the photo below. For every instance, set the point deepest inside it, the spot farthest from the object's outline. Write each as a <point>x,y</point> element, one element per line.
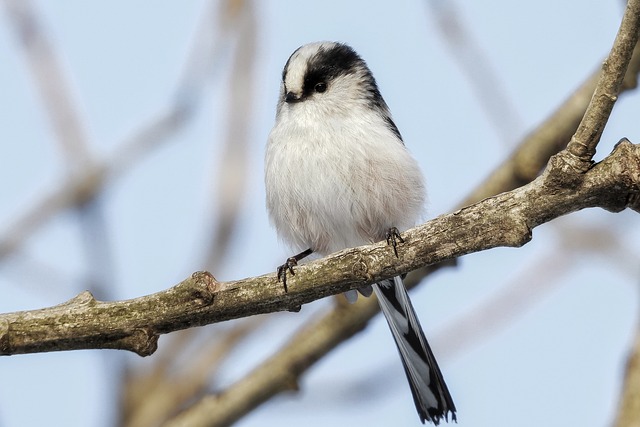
<point>583,144</point>
<point>503,220</point>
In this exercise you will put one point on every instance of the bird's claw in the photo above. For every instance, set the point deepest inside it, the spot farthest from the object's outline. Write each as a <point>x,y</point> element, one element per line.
<point>393,237</point>
<point>285,269</point>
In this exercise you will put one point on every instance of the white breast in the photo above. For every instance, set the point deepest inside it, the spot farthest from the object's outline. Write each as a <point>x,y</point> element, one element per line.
<point>339,182</point>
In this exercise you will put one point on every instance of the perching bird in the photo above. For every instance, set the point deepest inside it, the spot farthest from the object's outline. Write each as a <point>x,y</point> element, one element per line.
<point>338,175</point>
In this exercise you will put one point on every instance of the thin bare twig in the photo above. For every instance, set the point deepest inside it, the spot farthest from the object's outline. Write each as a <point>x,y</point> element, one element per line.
<point>50,81</point>
<point>89,181</point>
<point>69,132</point>
<point>152,405</point>
<point>548,138</point>
<point>232,167</point>
<point>476,66</point>
<point>583,143</point>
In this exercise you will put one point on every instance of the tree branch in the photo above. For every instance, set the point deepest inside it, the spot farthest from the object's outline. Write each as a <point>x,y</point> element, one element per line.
<point>51,83</point>
<point>582,146</point>
<point>281,371</point>
<point>504,220</point>
<point>548,138</point>
<point>89,182</point>
<point>136,324</point>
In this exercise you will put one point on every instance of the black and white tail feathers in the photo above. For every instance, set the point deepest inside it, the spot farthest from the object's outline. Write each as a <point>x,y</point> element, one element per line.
<point>429,390</point>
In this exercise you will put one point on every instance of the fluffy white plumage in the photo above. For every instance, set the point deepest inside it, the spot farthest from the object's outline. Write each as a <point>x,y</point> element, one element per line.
<point>338,175</point>
<point>329,176</point>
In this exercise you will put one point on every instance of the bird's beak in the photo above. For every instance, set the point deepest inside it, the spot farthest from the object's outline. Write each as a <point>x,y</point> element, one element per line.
<point>292,97</point>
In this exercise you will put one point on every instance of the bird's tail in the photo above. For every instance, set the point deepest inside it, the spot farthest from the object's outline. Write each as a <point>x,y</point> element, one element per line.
<point>429,390</point>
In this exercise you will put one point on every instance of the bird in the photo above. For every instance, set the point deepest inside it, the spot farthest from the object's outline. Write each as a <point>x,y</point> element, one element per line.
<point>338,175</point>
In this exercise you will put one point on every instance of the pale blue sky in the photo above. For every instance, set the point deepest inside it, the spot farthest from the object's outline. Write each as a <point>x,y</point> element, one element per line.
<point>556,362</point>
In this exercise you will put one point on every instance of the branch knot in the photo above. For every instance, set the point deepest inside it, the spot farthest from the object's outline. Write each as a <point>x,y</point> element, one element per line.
<point>566,170</point>
<point>360,269</point>
<point>205,287</point>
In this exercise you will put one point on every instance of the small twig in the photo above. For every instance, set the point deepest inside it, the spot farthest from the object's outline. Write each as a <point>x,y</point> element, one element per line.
<point>475,64</point>
<point>232,165</point>
<point>50,81</point>
<point>548,138</point>
<point>173,389</point>
<point>583,143</point>
<point>88,182</point>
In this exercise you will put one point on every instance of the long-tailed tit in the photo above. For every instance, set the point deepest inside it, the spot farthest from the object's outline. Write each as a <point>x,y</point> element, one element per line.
<point>338,175</point>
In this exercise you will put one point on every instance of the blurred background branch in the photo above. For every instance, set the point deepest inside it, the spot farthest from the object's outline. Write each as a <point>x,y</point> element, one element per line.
<point>225,86</point>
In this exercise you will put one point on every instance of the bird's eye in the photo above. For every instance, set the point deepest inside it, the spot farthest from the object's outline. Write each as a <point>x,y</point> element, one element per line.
<point>320,87</point>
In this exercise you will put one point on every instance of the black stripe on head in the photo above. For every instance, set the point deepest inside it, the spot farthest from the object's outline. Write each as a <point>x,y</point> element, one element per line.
<point>341,59</point>
<point>329,63</point>
<point>336,59</point>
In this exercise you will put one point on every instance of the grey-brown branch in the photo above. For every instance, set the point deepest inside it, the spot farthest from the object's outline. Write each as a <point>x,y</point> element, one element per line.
<point>503,220</point>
